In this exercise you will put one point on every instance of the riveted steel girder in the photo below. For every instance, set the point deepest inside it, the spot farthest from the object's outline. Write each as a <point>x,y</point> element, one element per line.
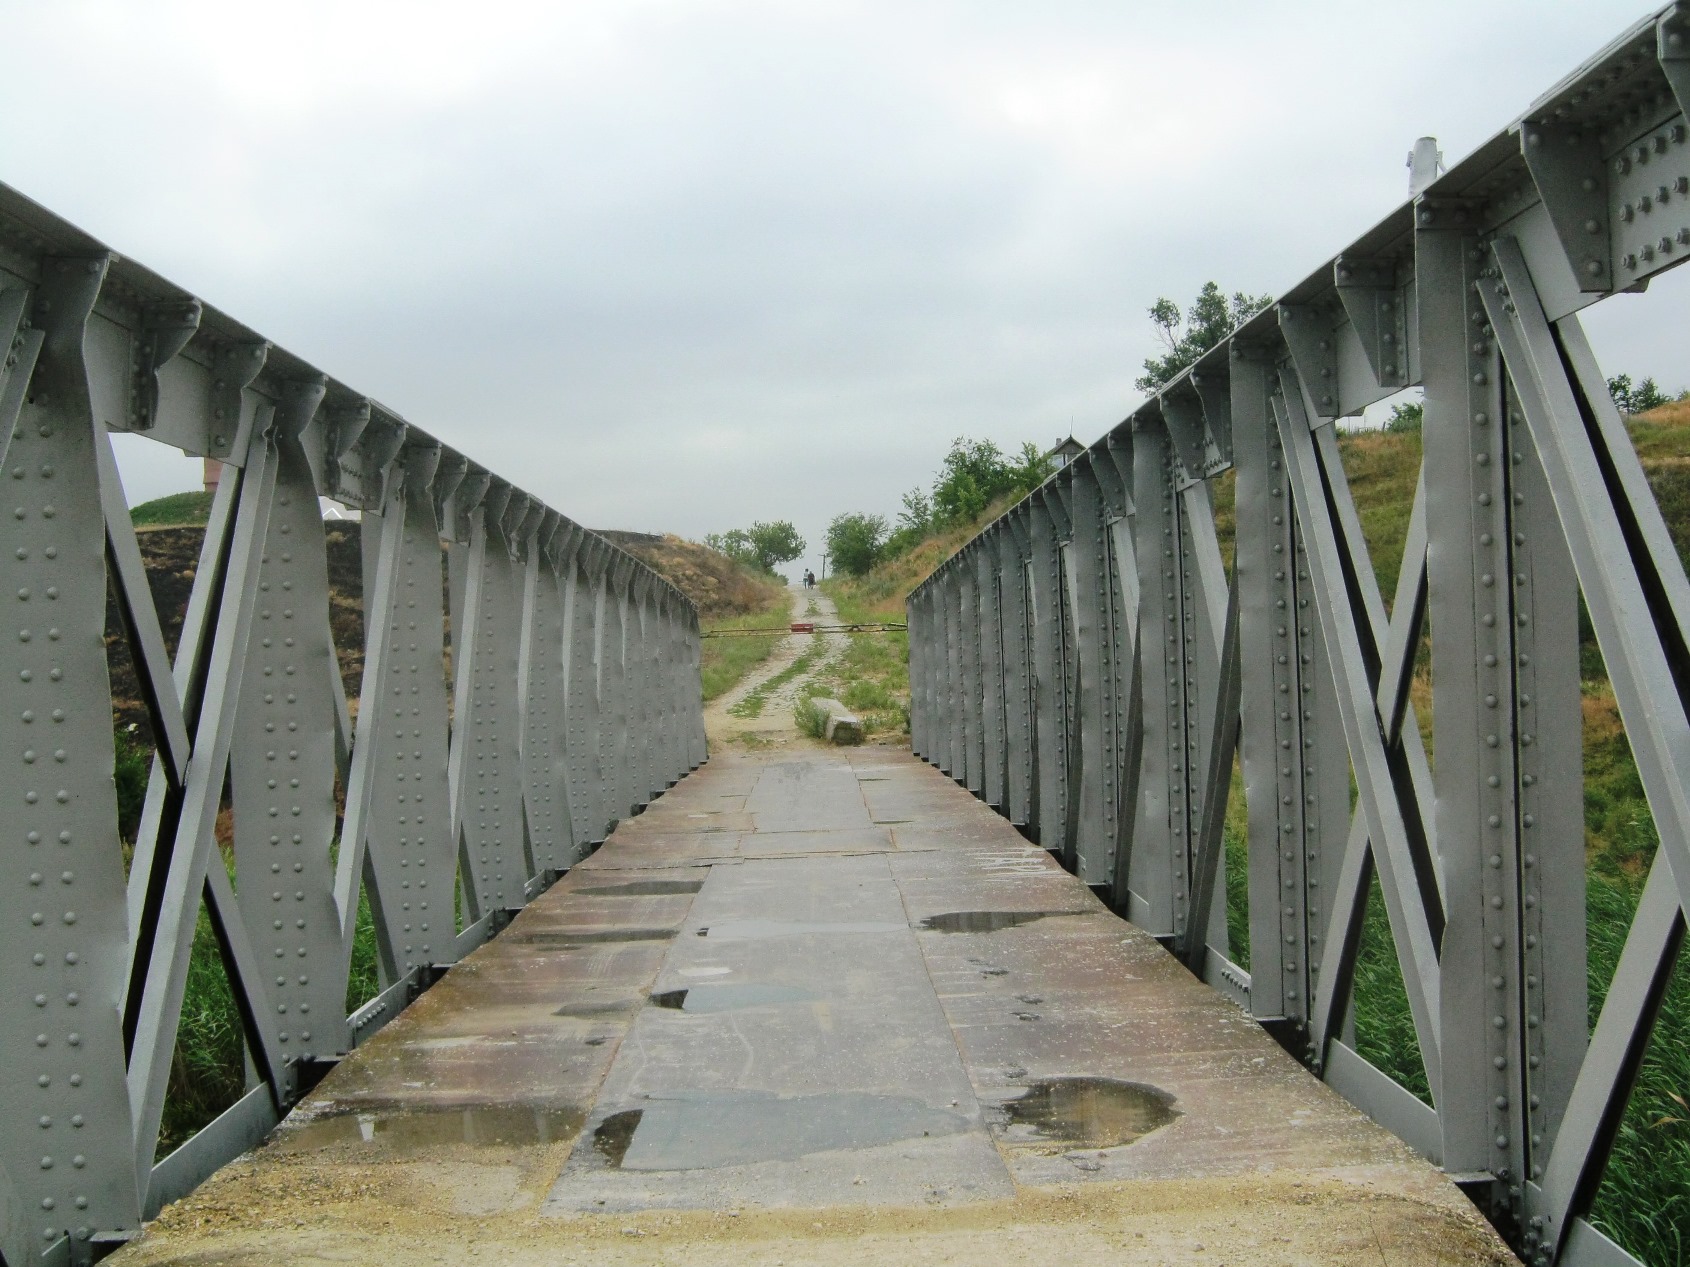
<point>268,808</point>
<point>1147,647</point>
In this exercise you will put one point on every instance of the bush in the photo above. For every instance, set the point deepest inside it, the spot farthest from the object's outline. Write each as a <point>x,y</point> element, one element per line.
<point>811,718</point>
<point>1635,400</point>
<point>976,474</point>
<point>1406,418</point>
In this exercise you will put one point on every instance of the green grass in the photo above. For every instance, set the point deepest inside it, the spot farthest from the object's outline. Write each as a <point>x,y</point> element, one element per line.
<point>1644,1200</point>
<point>208,1067</point>
<point>752,705</point>
<point>724,662</point>
<point>177,509</point>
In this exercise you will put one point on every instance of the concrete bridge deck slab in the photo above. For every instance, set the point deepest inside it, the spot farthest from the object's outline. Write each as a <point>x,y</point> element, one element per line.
<point>822,1006</point>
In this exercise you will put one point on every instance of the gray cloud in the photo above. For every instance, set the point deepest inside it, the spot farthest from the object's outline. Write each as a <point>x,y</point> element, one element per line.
<point>679,266</point>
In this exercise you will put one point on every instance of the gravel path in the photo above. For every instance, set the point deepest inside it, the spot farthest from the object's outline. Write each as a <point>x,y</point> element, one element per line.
<point>774,724</point>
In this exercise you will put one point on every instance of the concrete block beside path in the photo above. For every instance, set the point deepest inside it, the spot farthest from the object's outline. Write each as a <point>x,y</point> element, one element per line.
<point>843,726</point>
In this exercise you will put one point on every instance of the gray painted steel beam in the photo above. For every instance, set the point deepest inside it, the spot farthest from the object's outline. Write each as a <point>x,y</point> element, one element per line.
<point>254,702</point>
<point>1530,488</point>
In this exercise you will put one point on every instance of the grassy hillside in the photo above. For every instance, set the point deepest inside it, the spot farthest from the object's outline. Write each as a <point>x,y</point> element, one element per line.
<point>728,595</point>
<point>173,511</point>
<point>719,587</point>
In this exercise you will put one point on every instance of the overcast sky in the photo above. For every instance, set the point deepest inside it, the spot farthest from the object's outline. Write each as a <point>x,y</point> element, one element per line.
<point>676,265</point>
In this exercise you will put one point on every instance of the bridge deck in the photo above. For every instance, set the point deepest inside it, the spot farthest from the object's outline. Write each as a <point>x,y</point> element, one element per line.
<point>813,1008</point>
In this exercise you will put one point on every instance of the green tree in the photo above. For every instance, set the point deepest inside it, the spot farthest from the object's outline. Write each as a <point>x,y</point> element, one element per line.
<point>973,476</point>
<point>917,514</point>
<point>735,543</point>
<point>915,523</point>
<point>1211,317</point>
<point>775,543</point>
<point>1635,400</point>
<point>1035,467</point>
<point>854,542</point>
<point>763,545</point>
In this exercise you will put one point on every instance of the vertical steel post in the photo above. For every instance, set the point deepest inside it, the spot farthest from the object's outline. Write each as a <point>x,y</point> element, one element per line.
<point>950,700</point>
<point>1157,870</point>
<point>1507,719</point>
<point>282,772</point>
<point>1127,687</point>
<point>1296,774</point>
<point>65,1126</point>
<point>1093,810</point>
<point>1014,601</point>
<point>1049,690</point>
<point>987,576</point>
<point>397,793</point>
<point>969,687</point>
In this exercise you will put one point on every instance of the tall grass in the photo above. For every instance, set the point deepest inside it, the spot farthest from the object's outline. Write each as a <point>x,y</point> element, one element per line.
<point>208,1067</point>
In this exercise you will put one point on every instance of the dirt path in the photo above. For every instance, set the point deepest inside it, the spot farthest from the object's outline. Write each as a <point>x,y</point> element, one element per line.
<point>725,718</point>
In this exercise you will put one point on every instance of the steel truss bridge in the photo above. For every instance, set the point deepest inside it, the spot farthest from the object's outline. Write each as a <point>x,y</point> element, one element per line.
<point>573,701</point>
<point>1090,665</point>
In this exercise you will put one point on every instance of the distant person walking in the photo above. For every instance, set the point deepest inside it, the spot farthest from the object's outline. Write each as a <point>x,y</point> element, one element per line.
<point>809,579</point>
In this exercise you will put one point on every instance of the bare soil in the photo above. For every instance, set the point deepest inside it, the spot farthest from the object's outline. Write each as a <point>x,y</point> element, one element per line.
<point>774,725</point>
<point>466,1205</point>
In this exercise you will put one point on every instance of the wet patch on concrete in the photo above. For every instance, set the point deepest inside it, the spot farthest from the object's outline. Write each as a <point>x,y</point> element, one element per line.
<point>705,1130</point>
<point>644,888</point>
<point>597,1010</point>
<point>588,936</point>
<point>986,921</point>
<point>730,998</point>
<point>760,929</point>
<point>1057,1114</point>
<point>402,1129</point>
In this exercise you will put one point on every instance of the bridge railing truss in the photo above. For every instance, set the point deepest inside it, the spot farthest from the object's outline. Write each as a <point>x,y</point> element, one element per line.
<point>525,685</point>
<point>1091,666</point>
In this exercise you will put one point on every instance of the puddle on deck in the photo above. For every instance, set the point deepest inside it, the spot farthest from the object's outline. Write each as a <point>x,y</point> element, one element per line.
<point>1064,1113</point>
<point>702,1130</point>
<point>402,1130</point>
<point>612,1136</point>
<point>730,998</point>
<point>986,921</point>
<point>644,888</point>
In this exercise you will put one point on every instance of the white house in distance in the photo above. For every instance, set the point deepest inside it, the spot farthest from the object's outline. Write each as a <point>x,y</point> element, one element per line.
<point>1065,452</point>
